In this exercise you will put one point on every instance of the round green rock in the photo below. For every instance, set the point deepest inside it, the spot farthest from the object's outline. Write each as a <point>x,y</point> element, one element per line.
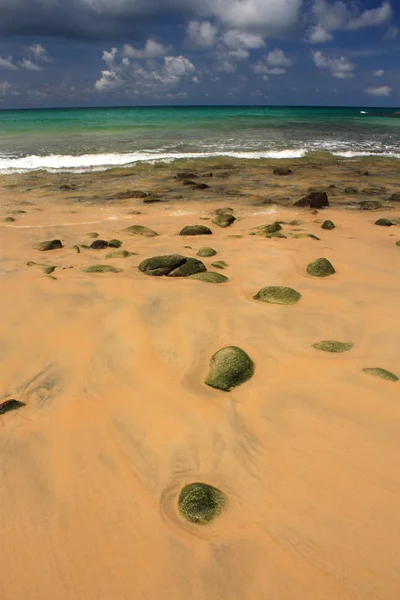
<point>200,503</point>
<point>321,268</point>
<point>210,277</point>
<point>229,367</point>
<point>328,225</point>
<point>278,295</point>
<point>204,252</point>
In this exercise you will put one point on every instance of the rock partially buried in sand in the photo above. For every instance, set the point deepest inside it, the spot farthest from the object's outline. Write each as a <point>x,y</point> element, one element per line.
<point>204,252</point>
<point>229,367</point>
<point>200,186</point>
<point>384,223</point>
<point>224,220</point>
<point>210,277</point>
<point>101,269</point>
<point>118,254</point>
<point>152,200</point>
<point>282,171</point>
<point>76,248</point>
<point>302,236</point>
<point>129,194</point>
<point>332,346</point>
<point>398,243</point>
<point>114,244</point>
<point>200,503</point>
<point>278,295</point>
<point>195,230</point>
<point>99,245</point>
<point>173,265</point>
<point>321,268</point>
<point>313,200</point>
<point>382,373</point>
<point>370,205</point>
<point>49,245</point>
<point>10,405</point>
<point>351,190</point>
<point>139,230</point>
<point>395,197</point>
<point>92,234</point>
<point>224,211</point>
<point>328,225</point>
<point>9,220</point>
<point>220,264</point>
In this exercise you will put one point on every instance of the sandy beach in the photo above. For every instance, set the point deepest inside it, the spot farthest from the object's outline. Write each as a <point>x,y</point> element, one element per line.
<point>117,418</point>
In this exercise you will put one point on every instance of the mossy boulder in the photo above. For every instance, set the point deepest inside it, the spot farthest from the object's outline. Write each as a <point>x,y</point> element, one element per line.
<point>272,228</point>
<point>398,243</point>
<point>278,295</point>
<point>114,243</point>
<point>10,220</point>
<point>229,367</point>
<point>10,405</point>
<point>220,264</point>
<point>210,277</point>
<point>167,265</point>
<point>99,245</point>
<point>370,205</point>
<point>384,223</point>
<point>333,346</point>
<point>328,225</point>
<point>321,268</point>
<point>204,252</point>
<point>200,503</point>
<point>139,230</point>
<point>382,373</point>
<point>224,220</point>
<point>195,230</point>
<point>303,236</point>
<point>48,245</point>
<point>118,254</point>
<point>92,234</point>
<point>224,211</point>
<point>101,269</point>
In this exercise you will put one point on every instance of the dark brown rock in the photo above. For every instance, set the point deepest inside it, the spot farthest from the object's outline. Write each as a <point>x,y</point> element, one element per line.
<point>200,186</point>
<point>313,200</point>
<point>186,175</point>
<point>129,194</point>
<point>9,405</point>
<point>99,245</point>
<point>351,190</point>
<point>282,171</point>
<point>395,197</point>
<point>370,205</point>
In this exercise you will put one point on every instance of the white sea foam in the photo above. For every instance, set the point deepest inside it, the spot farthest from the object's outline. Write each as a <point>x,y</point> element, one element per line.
<point>352,154</point>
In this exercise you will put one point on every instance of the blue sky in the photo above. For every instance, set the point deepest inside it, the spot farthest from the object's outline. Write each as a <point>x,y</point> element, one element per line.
<point>154,52</point>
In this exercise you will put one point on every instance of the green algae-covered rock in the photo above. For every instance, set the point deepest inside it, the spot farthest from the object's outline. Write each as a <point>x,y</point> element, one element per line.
<point>384,222</point>
<point>229,367</point>
<point>196,230</point>
<point>204,252</point>
<point>139,230</point>
<point>10,220</point>
<point>200,503</point>
<point>17,212</point>
<point>115,243</point>
<point>118,254</point>
<point>295,223</point>
<point>76,248</point>
<point>278,295</point>
<point>167,265</point>
<point>92,234</point>
<point>303,236</point>
<point>51,277</point>
<point>272,228</point>
<point>398,243</point>
<point>49,270</point>
<point>224,211</point>
<point>224,220</point>
<point>321,268</point>
<point>382,373</point>
<point>101,269</point>
<point>210,277</point>
<point>10,405</point>
<point>328,225</point>
<point>370,205</point>
<point>332,346</point>
<point>49,245</point>
<point>220,264</point>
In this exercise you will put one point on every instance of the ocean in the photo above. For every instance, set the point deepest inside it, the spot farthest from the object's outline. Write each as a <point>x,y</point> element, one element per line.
<point>100,138</point>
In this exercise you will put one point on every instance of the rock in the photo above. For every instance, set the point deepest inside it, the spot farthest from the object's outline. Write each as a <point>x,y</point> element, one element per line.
<point>382,373</point>
<point>129,194</point>
<point>9,405</point>
<point>152,200</point>
<point>384,223</point>
<point>92,234</point>
<point>332,346</point>
<point>351,191</point>
<point>114,243</point>
<point>173,265</point>
<point>321,268</point>
<point>272,228</point>
<point>394,198</point>
<point>49,245</point>
<point>220,264</point>
<point>118,254</point>
<point>17,212</point>
<point>101,269</point>
<point>210,277</point>
<point>99,245</point>
<point>9,220</point>
<point>282,171</point>
<point>76,248</point>
<point>370,205</point>
<point>196,230</point>
<point>139,230</point>
<point>200,503</point>
<point>229,367</point>
<point>234,237</point>
<point>84,246</point>
<point>204,252</point>
<point>295,223</point>
<point>374,190</point>
<point>314,200</point>
<point>186,175</point>
<point>224,211</point>
<point>328,225</point>
<point>51,277</point>
<point>224,220</point>
<point>67,187</point>
<point>200,186</point>
<point>278,295</point>
<point>49,270</point>
<point>302,236</point>
<point>188,182</point>
<point>398,243</point>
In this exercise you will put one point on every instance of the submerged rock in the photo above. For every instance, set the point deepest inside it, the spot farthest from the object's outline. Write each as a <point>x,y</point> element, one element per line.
<point>167,265</point>
<point>152,200</point>
<point>314,200</point>
<point>195,230</point>
<point>370,205</point>
<point>333,346</point>
<point>321,268</point>
<point>114,243</point>
<point>49,245</point>
<point>200,503</point>
<point>139,230</point>
<point>210,277</point>
<point>382,373</point>
<point>99,245</point>
<point>204,252</point>
<point>49,270</point>
<point>229,367</point>
<point>10,405</point>
<point>278,295</point>
<point>224,220</point>
<point>398,243</point>
<point>328,225</point>
<point>101,269</point>
<point>282,171</point>
<point>384,222</point>
<point>76,248</point>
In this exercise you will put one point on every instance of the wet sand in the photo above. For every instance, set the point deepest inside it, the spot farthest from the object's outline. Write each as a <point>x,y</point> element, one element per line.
<point>111,367</point>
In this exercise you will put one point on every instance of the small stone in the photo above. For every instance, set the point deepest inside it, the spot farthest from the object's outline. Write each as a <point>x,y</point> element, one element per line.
<point>173,265</point>
<point>10,220</point>
<point>314,200</point>
<point>321,268</point>
<point>351,191</point>
<point>328,225</point>
<point>49,270</point>
<point>224,211</point>
<point>205,252</point>
<point>220,264</point>
<point>200,503</point>
<point>152,200</point>
<point>76,248</point>
<point>278,295</point>
<point>92,234</point>
<point>333,346</point>
<point>301,236</point>
<point>200,186</point>
<point>196,230</point>
<point>395,197</point>
<point>99,245</point>
<point>382,373</point>
<point>188,182</point>
<point>114,244</point>
<point>49,245</point>
<point>224,220</point>
<point>229,367</point>
<point>118,254</point>
<point>10,405</point>
<point>398,243</point>
<point>282,171</point>
<point>370,205</point>
<point>129,194</point>
<point>210,277</point>
<point>101,269</point>
<point>139,230</point>
<point>295,223</point>
<point>384,223</point>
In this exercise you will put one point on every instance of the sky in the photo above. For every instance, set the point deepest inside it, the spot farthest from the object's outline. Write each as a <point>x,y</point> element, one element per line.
<point>62,53</point>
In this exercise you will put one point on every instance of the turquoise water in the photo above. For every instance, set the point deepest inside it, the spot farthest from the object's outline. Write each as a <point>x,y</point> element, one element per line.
<point>103,137</point>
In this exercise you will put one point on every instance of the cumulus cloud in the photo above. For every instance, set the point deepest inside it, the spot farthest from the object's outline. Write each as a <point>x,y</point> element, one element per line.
<point>152,49</point>
<point>339,67</point>
<point>39,53</point>
<point>5,88</point>
<point>391,33</point>
<point>383,90</point>
<point>29,65</point>
<point>234,38</point>
<point>201,34</point>
<point>274,63</point>
<point>318,35</point>
<point>379,73</point>
<point>7,63</point>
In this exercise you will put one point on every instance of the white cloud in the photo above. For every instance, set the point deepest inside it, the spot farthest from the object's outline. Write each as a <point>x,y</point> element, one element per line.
<point>379,73</point>
<point>318,35</point>
<point>29,65</point>
<point>5,88</point>
<point>391,33</point>
<point>39,53</point>
<point>201,33</point>
<point>341,67</point>
<point>152,49</point>
<point>275,63</point>
<point>7,63</point>
<point>374,17</point>
<point>383,90</point>
<point>234,38</point>
<point>265,16</point>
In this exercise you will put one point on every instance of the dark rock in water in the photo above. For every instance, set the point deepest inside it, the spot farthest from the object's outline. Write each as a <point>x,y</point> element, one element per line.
<point>333,346</point>
<point>370,205</point>
<point>321,268</point>
<point>224,220</point>
<point>151,200</point>
<point>173,265</point>
<point>395,197</point>
<point>205,252</point>
<point>313,200</point>
<point>10,220</point>
<point>139,230</point>
<point>374,190</point>
<point>229,367</point>
<point>278,295</point>
<point>382,373</point>
<point>9,405</point>
<point>129,194</point>
<point>114,243</point>
<point>186,175</point>
<point>196,230</point>
<point>207,175</point>
<point>92,234</point>
<point>99,245</point>
<point>210,277</point>
<point>384,223</point>
<point>49,245</point>
<point>224,211</point>
<point>200,186</point>
<point>282,171</point>
<point>101,269</point>
<point>200,503</point>
<point>351,190</point>
<point>328,225</point>
<point>366,173</point>
<point>68,187</point>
